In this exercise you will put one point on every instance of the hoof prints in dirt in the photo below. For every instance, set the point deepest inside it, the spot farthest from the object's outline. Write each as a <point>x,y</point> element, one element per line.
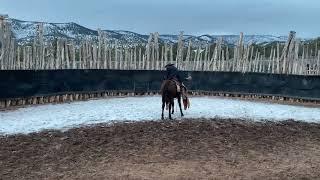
<point>167,149</point>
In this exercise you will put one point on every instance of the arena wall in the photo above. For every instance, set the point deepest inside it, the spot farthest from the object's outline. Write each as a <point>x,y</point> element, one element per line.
<point>30,83</point>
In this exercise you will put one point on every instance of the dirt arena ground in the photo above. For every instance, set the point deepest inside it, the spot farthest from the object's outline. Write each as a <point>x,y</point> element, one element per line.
<point>186,149</point>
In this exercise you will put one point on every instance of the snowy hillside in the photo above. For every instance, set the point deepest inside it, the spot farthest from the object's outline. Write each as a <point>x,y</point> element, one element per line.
<point>26,30</point>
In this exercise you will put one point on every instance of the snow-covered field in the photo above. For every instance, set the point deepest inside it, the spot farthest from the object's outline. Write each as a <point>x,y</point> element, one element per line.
<point>64,116</point>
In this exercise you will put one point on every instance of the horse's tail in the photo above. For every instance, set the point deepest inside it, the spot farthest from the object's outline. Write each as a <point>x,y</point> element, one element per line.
<point>186,103</point>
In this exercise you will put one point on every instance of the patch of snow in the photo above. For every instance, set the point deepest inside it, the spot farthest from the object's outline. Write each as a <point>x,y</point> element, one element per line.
<point>169,38</point>
<point>65,116</point>
<point>205,38</point>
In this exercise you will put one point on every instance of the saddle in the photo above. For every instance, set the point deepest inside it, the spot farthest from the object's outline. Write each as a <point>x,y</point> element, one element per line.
<point>177,84</point>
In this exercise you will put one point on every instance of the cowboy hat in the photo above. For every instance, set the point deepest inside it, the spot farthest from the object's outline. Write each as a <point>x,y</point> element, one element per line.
<point>170,64</point>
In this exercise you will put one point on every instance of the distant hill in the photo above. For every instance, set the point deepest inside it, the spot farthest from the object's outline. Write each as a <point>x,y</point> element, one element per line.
<point>26,30</point>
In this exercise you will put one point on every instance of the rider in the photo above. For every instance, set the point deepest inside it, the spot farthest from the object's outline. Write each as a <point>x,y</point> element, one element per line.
<point>172,73</point>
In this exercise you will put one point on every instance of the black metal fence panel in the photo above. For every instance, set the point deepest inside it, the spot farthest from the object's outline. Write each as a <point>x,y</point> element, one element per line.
<point>28,83</point>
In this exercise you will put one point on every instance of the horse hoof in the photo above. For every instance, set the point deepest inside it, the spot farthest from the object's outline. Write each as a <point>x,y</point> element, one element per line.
<point>182,115</point>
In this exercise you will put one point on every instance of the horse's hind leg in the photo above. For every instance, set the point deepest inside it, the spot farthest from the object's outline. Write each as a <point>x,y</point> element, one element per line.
<point>170,104</point>
<point>179,102</point>
<point>172,107</point>
<point>163,105</point>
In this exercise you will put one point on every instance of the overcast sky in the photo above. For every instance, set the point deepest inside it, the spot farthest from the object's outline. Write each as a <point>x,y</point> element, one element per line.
<point>196,17</point>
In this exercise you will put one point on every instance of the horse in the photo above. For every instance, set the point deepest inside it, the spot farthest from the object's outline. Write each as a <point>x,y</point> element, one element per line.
<point>169,93</point>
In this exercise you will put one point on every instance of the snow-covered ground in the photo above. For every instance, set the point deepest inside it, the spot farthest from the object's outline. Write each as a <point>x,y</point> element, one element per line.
<point>64,116</point>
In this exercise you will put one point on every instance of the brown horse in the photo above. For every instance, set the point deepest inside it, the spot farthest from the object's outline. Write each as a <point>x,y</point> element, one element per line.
<point>169,92</point>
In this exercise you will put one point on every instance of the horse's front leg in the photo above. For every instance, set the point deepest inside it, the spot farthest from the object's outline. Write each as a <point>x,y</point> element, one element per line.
<point>179,102</point>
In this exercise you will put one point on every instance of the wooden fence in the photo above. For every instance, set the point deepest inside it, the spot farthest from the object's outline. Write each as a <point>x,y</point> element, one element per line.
<point>66,54</point>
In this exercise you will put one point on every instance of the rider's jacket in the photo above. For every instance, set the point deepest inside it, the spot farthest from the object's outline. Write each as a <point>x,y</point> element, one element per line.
<point>172,72</point>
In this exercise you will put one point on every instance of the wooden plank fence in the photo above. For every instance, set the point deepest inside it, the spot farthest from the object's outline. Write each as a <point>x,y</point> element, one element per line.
<point>66,54</point>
